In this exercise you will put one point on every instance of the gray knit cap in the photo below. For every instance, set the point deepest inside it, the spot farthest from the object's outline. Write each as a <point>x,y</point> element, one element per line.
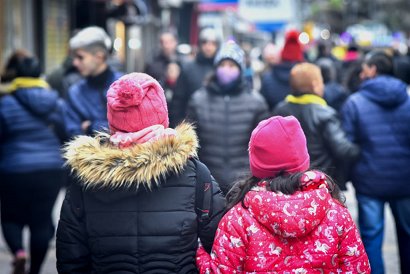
<point>232,51</point>
<point>91,36</point>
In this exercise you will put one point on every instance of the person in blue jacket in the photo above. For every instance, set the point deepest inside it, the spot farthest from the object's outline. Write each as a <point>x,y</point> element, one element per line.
<point>377,118</point>
<point>31,166</point>
<point>86,100</point>
<point>275,84</point>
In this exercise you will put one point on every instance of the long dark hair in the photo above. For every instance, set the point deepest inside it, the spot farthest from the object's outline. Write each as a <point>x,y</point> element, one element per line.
<point>283,182</point>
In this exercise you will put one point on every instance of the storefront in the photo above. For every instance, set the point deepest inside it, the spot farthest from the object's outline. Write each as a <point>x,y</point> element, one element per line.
<point>40,27</point>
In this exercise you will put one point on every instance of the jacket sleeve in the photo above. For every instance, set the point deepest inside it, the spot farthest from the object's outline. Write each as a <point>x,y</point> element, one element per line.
<point>265,92</point>
<point>72,117</point>
<point>348,114</point>
<point>352,255</point>
<point>207,230</point>
<point>72,251</point>
<point>335,138</point>
<point>228,251</point>
<point>192,115</point>
<point>262,110</point>
<point>97,125</point>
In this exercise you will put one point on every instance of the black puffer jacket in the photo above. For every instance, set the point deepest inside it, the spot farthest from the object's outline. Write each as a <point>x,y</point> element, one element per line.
<point>129,223</point>
<point>328,146</point>
<point>225,120</point>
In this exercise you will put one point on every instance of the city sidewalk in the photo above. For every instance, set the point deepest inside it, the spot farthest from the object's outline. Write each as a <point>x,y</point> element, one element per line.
<point>389,248</point>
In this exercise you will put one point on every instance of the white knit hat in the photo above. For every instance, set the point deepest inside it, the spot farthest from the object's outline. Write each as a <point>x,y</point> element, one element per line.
<point>91,36</point>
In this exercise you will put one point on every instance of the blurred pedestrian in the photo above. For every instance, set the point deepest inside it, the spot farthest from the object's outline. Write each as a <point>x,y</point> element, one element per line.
<point>271,56</point>
<point>134,209</point>
<point>377,118</point>
<point>167,54</point>
<point>275,83</point>
<point>225,112</point>
<point>172,72</point>
<point>87,104</point>
<point>284,218</point>
<point>351,67</point>
<point>63,77</point>
<point>328,146</point>
<point>402,67</point>
<point>31,167</point>
<point>334,93</point>
<point>193,74</point>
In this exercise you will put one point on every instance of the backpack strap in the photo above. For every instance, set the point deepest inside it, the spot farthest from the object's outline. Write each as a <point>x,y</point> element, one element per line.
<point>203,191</point>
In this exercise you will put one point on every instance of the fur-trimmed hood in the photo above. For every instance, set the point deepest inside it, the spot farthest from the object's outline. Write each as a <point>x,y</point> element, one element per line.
<point>98,163</point>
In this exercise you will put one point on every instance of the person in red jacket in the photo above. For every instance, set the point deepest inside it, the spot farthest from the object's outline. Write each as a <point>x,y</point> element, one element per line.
<point>285,218</point>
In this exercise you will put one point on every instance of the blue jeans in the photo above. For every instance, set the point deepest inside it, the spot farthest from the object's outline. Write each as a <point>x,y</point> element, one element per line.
<point>371,225</point>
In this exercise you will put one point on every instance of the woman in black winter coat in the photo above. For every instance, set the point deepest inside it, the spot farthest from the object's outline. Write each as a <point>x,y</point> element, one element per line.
<point>133,209</point>
<point>225,112</point>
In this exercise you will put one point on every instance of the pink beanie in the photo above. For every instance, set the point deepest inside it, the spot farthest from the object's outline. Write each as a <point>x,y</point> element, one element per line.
<point>136,101</point>
<point>278,144</point>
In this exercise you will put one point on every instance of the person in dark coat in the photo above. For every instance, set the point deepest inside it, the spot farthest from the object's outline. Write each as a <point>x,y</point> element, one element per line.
<point>225,112</point>
<point>133,208</point>
<point>86,99</point>
<point>62,78</point>
<point>193,74</point>
<point>168,54</point>
<point>275,82</point>
<point>31,167</point>
<point>328,146</point>
<point>334,94</point>
<point>377,118</point>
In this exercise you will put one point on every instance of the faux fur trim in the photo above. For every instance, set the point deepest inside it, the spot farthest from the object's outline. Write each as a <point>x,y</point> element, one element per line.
<point>100,164</point>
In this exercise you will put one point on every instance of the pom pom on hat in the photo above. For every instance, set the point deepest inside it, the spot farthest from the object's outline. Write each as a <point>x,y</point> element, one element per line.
<point>277,145</point>
<point>134,102</point>
<point>292,50</point>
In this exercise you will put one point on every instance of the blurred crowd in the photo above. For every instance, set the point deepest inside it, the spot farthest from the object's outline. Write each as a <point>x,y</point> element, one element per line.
<point>349,119</point>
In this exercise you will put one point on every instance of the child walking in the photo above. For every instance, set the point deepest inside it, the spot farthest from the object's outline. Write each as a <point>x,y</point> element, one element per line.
<point>285,218</point>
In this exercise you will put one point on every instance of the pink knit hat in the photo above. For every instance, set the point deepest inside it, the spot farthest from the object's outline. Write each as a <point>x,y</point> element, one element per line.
<point>134,102</point>
<point>278,144</point>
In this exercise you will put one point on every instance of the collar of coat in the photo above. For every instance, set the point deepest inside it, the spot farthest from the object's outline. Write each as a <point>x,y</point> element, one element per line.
<point>306,99</point>
<point>97,163</point>
<point>26,82</point>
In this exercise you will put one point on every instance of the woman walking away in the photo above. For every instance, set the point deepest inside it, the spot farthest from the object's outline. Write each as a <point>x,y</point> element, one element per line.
<point>285,218</point>
<point>30,162</point>
<point>134,209</point>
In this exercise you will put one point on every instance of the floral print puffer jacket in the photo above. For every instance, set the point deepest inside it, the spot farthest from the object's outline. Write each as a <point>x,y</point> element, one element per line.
<point>307,232</point>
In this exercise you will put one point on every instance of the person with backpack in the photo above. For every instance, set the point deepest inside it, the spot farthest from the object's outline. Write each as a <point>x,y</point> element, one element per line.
<point>31,166</point>
<point>285,217</point>
<point>143,198</point>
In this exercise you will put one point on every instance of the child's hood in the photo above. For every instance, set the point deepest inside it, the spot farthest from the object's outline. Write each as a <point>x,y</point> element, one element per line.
<point>289,215</point>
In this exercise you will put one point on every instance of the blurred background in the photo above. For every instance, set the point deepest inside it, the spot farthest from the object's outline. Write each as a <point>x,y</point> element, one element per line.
<point>44,26</point>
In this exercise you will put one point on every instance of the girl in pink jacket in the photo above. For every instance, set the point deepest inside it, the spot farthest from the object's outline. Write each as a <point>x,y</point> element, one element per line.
<point>284,219</point>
